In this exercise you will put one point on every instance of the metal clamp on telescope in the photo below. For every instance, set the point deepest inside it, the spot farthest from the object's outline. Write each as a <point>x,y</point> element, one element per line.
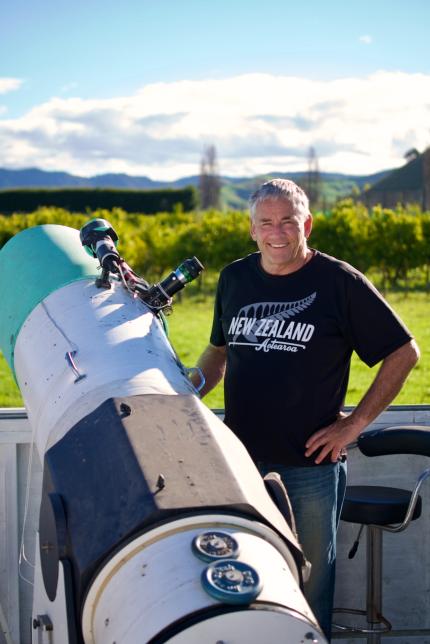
<point>100,240</point>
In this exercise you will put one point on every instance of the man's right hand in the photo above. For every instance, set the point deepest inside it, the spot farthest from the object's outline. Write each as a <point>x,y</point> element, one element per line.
<point>212,363</point>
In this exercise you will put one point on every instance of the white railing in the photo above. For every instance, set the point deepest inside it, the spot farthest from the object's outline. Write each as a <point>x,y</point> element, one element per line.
<point>406,555</point>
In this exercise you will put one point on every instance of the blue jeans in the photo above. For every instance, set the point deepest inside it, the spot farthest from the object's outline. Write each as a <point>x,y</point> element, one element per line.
<point>316,495</point>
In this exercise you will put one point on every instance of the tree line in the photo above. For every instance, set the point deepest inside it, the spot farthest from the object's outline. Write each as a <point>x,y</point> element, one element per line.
<point>88,199</point>
<point>392,244</point>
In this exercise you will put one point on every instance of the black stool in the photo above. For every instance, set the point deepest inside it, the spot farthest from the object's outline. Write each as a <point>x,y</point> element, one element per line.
<point>382,508</point>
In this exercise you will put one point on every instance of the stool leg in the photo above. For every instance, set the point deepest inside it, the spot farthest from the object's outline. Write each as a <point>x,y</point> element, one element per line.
<point>374,580</point>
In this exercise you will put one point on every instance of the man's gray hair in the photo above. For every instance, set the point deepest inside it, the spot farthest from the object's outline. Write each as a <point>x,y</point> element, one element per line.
<point>280,189</point>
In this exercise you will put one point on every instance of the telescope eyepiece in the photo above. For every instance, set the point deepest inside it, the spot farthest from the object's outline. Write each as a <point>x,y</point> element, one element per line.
<point>160,295</point>
<point>189,270</point>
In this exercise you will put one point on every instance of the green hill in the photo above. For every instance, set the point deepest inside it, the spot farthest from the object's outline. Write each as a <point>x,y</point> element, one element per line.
<point>235,192</point>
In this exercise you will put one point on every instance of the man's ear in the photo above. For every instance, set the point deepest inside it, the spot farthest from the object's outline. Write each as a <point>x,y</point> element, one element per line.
<point>308,225</point>
<point>252,231</point>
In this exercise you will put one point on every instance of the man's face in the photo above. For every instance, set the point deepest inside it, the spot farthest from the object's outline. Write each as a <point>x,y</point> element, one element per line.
<point>281,236</point>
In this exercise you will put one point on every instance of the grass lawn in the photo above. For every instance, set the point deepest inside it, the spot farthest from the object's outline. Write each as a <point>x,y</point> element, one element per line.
<point>9,392</point>
<point>190,326</point>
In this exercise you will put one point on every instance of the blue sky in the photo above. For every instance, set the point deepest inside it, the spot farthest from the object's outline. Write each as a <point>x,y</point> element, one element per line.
<point>142,86</point>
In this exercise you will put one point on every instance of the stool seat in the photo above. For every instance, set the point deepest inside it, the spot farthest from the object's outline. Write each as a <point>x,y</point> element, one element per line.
<point>371,504</point>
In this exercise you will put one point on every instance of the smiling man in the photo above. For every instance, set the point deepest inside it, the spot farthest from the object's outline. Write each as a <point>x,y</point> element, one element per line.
<point>281,229</point>
<point>286,322</point>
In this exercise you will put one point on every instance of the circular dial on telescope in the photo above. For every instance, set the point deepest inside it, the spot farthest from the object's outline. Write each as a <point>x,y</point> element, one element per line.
<point>232,582</point>
<point>213,545</point>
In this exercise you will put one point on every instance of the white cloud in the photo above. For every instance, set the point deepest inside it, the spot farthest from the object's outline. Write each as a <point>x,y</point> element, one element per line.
<point>9,84</point>
<point>258,123</point>
<point>366,39</point>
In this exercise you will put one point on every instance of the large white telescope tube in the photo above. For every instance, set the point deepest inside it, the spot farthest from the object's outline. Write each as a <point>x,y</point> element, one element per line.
<point>155,525</point>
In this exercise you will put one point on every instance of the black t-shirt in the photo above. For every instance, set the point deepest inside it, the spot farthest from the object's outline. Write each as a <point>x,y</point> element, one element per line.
<point>289,342</point>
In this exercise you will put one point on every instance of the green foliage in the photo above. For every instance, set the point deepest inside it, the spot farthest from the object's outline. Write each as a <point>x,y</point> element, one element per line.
<point>393,245</point>
<point>425,247</point>
<point>10,226</point>
<point>395,239</point>
<point>344,233</point>
<point>217,238</point>
<point>84,199</point>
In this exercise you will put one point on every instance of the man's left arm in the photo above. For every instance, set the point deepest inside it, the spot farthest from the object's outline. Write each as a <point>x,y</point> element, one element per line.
<point>385,387</point>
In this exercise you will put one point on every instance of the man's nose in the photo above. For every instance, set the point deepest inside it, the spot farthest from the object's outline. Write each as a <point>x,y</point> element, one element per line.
<point>278,226</point>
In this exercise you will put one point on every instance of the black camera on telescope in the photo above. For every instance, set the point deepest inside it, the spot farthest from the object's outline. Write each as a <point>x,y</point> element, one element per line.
<point>99,240</point>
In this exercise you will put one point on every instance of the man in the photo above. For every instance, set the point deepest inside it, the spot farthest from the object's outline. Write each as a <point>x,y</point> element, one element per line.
<point>286,321</point>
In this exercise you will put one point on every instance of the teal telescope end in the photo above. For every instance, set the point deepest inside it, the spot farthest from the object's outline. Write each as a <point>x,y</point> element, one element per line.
<point>34,263</point>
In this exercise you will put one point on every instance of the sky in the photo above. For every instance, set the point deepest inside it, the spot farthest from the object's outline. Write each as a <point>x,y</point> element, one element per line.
<point>143,86</point>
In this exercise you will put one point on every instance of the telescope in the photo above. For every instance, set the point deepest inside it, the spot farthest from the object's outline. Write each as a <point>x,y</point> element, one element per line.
<point>155,525</point>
